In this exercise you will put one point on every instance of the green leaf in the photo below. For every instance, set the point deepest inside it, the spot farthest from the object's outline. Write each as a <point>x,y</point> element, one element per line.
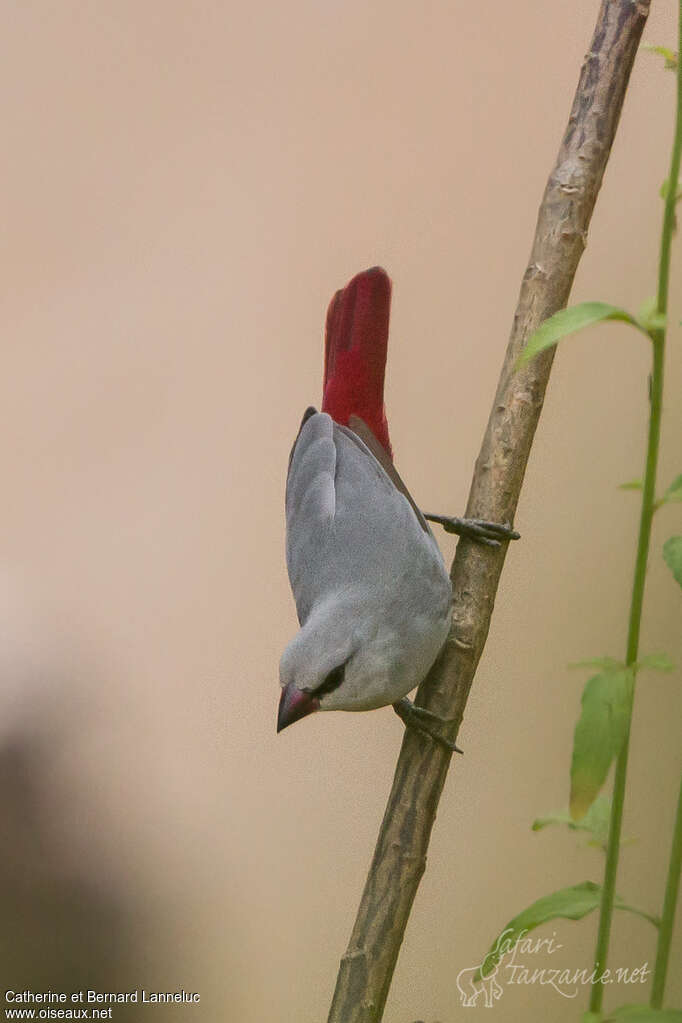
<point>663,191</point>
<point>567,904</point>
<point>559,817</point>
<point>595,822</point>
<point>672,553</point>
<point>632,485</point>
<point>669,56</point>
<point>644,1014</point>
<point>597,819</point>
<point>659,662</point>
<point>648,316</point>
<point>599,735</point>
<point>568,321</point>
<point>674,491</point>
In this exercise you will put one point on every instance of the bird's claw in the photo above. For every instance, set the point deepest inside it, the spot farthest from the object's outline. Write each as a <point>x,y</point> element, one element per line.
<point>416,717</point>
<point>490,533</point>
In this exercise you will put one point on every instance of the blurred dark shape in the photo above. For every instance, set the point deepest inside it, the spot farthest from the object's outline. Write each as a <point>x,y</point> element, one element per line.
<point>59,930</point>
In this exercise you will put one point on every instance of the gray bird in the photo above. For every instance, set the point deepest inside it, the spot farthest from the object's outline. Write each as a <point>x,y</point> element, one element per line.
<point>372,592</point>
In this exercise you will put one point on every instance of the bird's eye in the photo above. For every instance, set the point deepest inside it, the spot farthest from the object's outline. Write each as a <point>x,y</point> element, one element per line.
<point>332,681</point>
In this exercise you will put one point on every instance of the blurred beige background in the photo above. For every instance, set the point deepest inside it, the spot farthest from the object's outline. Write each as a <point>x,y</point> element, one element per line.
<point>185,187</point>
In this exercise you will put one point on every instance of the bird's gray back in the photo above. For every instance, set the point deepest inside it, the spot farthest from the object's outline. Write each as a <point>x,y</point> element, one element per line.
<point>350,532</point>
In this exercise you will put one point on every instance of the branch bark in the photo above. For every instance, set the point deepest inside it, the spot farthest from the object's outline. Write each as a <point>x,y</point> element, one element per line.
<point>400,856</point>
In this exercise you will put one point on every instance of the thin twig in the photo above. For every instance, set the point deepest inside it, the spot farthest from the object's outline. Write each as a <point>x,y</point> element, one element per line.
<point>400,856</point>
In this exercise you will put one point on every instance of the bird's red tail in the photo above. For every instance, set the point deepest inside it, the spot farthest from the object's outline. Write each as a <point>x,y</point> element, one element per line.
<point>356,342</point>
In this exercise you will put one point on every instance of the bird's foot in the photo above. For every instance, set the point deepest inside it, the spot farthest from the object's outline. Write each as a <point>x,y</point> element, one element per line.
<point>413,716</point>
<point>490,533</point>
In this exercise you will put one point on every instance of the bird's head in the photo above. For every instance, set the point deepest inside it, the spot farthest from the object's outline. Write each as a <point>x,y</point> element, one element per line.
<point>326,666</point>
<point>295,703</point>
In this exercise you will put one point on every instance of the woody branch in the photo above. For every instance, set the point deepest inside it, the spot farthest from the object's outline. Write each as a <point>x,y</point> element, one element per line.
<point>399,859</point>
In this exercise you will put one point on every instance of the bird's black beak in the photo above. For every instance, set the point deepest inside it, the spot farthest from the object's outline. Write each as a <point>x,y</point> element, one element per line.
<point>294,705</point>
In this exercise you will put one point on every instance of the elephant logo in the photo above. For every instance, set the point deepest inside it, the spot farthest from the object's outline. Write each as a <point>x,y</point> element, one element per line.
<point>471,986</point>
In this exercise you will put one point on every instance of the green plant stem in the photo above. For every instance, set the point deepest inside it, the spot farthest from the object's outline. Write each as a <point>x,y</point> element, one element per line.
<point>665,931</point>
<point>613,847</point>
<point>671,196</point>
<point>646,516</point>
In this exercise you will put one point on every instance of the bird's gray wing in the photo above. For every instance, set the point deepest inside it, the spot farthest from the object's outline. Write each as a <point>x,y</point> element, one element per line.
<point>350,519</point>
<point>310,411</point>
<point>360,428</point>
<point>310,506</point>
